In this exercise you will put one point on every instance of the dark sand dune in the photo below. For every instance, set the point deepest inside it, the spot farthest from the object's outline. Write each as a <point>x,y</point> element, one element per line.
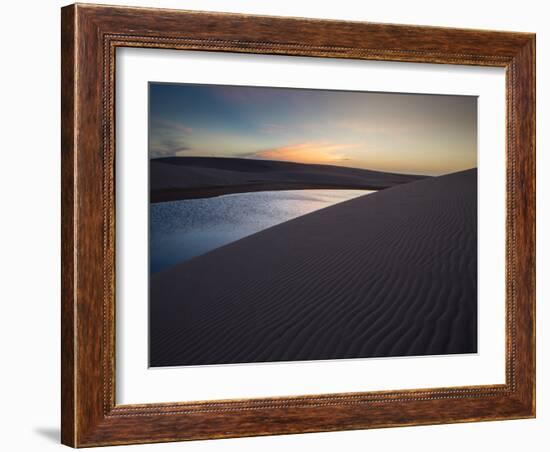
<point>388,274</point>
<point>175,178</point>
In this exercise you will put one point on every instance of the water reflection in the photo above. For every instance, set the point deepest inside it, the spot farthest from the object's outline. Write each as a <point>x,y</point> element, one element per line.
<point>181,230</point>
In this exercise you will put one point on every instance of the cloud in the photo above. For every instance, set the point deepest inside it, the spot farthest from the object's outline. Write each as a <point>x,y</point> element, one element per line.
<point>168,138</point>
<point>170,125</point>
<point>167,146</point>
<point>309,152</point>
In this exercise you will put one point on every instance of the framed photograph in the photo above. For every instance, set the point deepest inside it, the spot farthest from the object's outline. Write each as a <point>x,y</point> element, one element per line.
<point>281,225</point>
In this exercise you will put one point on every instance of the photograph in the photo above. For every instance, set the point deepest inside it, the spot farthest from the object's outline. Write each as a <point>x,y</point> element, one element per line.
<point>294,224</point>
<point>276,220</point>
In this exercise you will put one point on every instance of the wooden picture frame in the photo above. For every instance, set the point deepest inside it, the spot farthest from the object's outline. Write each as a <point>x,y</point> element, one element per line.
<point>90,36</point>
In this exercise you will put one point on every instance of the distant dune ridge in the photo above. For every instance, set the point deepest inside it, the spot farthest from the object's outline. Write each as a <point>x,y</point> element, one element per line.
<point>176,178</point>
<point>392,273</point>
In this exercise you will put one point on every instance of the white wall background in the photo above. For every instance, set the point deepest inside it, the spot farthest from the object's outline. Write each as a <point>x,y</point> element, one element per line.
<point>29,247</point>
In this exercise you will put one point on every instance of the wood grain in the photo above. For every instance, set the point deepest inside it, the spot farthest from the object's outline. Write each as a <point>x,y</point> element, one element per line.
<point>90,36</point>
<point>68,298</point>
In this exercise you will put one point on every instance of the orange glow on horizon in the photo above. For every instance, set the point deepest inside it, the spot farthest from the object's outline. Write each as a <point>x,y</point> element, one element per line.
<point>320,153</point>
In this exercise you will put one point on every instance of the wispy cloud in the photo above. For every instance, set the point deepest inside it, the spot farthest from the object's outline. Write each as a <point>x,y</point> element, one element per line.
<point>169,138</point>
<point>174,126</point>
<point>308,152</point>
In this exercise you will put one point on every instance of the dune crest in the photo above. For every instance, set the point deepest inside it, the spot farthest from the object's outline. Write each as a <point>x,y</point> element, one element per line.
<point>177,178</point>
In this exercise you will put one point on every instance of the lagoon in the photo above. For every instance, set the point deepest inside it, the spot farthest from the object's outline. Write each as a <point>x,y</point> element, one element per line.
<point>182,230</point>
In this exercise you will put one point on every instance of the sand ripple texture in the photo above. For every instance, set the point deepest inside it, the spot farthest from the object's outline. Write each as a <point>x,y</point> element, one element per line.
<point>387,274</point>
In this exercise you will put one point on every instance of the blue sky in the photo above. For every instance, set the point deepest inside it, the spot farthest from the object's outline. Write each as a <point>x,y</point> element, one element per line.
<point>406,133</point>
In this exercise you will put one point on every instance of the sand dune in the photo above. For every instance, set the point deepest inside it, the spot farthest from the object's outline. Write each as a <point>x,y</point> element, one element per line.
<point>388,274</point>
<point>175,178</point>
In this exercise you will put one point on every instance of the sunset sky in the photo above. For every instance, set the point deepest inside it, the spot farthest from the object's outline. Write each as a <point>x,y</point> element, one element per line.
<point>404,133</point>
